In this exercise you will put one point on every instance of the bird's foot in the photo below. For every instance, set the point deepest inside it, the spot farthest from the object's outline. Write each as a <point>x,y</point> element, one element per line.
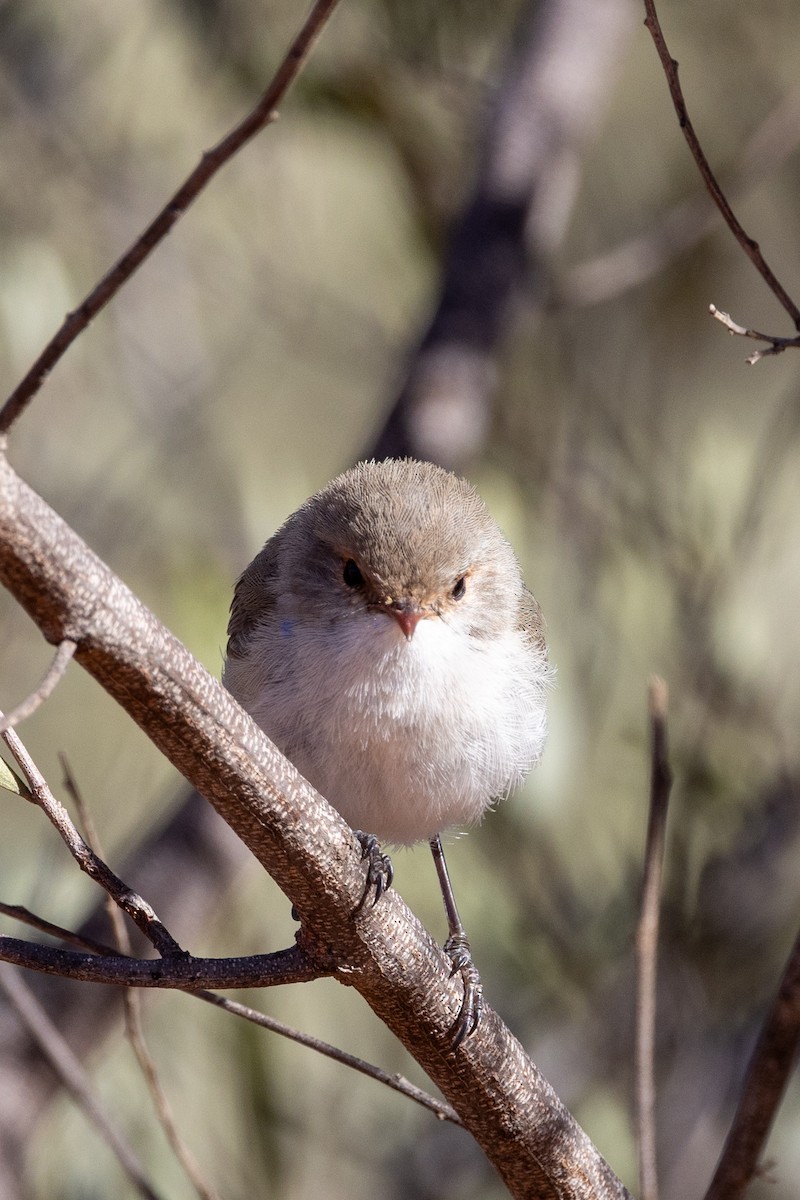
<point>380,871</point>
<point>458,951</point>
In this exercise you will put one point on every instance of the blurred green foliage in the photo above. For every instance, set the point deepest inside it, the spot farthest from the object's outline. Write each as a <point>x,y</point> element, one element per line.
<point>648,479</point>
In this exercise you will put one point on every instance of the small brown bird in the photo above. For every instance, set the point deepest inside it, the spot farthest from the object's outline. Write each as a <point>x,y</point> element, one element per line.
<point>385,642</point>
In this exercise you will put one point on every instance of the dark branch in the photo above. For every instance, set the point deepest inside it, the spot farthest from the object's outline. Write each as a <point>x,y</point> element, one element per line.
<point>647,940</point>
<point>767,1075</point>
<point>185,973</point>
<point>398,1083</point>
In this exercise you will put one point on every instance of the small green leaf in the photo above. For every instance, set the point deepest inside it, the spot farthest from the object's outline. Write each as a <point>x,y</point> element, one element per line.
<point>11,782</point>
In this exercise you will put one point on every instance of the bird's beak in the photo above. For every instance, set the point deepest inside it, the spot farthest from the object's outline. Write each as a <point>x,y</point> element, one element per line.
<point>407,614</point>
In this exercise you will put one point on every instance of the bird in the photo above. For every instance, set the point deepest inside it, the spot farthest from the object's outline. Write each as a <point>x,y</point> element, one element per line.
<point>385,641</point>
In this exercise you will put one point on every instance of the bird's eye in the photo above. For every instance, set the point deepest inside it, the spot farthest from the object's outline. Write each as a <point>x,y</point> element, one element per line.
<point>351,574</point>
<point>459,588</point>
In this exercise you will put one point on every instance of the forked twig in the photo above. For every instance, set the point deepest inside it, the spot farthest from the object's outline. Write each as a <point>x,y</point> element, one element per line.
<point>767,1075</point>
<point>260,116</point>
<point>776,345</point>
<point>647,940</point>
<point>748,244</point>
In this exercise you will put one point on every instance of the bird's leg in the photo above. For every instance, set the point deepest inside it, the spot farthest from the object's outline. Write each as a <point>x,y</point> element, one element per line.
<point>457,949</point>
<point>380,871</point>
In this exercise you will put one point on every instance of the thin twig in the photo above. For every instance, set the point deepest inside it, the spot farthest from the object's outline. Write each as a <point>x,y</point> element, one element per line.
<point>72,1075</point>
<point>137,909</point>
<point>134,1027</point>
<point>647,940</point>
<point>260,116</point>
<point>748,244</point>
<point>440,1108</point>
<point>18,912</point>
<point>767,1075</point>
<point>55,672</point>
<point>777,345</point>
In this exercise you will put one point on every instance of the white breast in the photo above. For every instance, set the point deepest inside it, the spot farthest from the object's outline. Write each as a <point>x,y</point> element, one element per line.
<point>405,738</point>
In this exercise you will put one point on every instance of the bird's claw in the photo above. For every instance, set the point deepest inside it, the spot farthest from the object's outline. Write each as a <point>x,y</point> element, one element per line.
<point>458,951</point>
<point>380,871</point>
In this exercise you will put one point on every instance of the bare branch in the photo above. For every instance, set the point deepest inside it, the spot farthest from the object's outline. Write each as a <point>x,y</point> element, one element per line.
<point>748,244</point>
<point>647,941</point>
<point>767,1075</point>
<point>55,672</point>
<point>72,1075</point>
<point>776,344</point>
<point>137,909</point>
<point>181,973</point>
<point>260,116</point>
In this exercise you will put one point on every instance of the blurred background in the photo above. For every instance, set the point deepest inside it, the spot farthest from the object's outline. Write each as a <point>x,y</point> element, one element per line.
<point>482,219</point>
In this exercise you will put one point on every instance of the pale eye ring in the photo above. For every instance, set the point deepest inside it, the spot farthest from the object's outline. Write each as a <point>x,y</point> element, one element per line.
<point>459,588</point>
<point>351,574</point>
